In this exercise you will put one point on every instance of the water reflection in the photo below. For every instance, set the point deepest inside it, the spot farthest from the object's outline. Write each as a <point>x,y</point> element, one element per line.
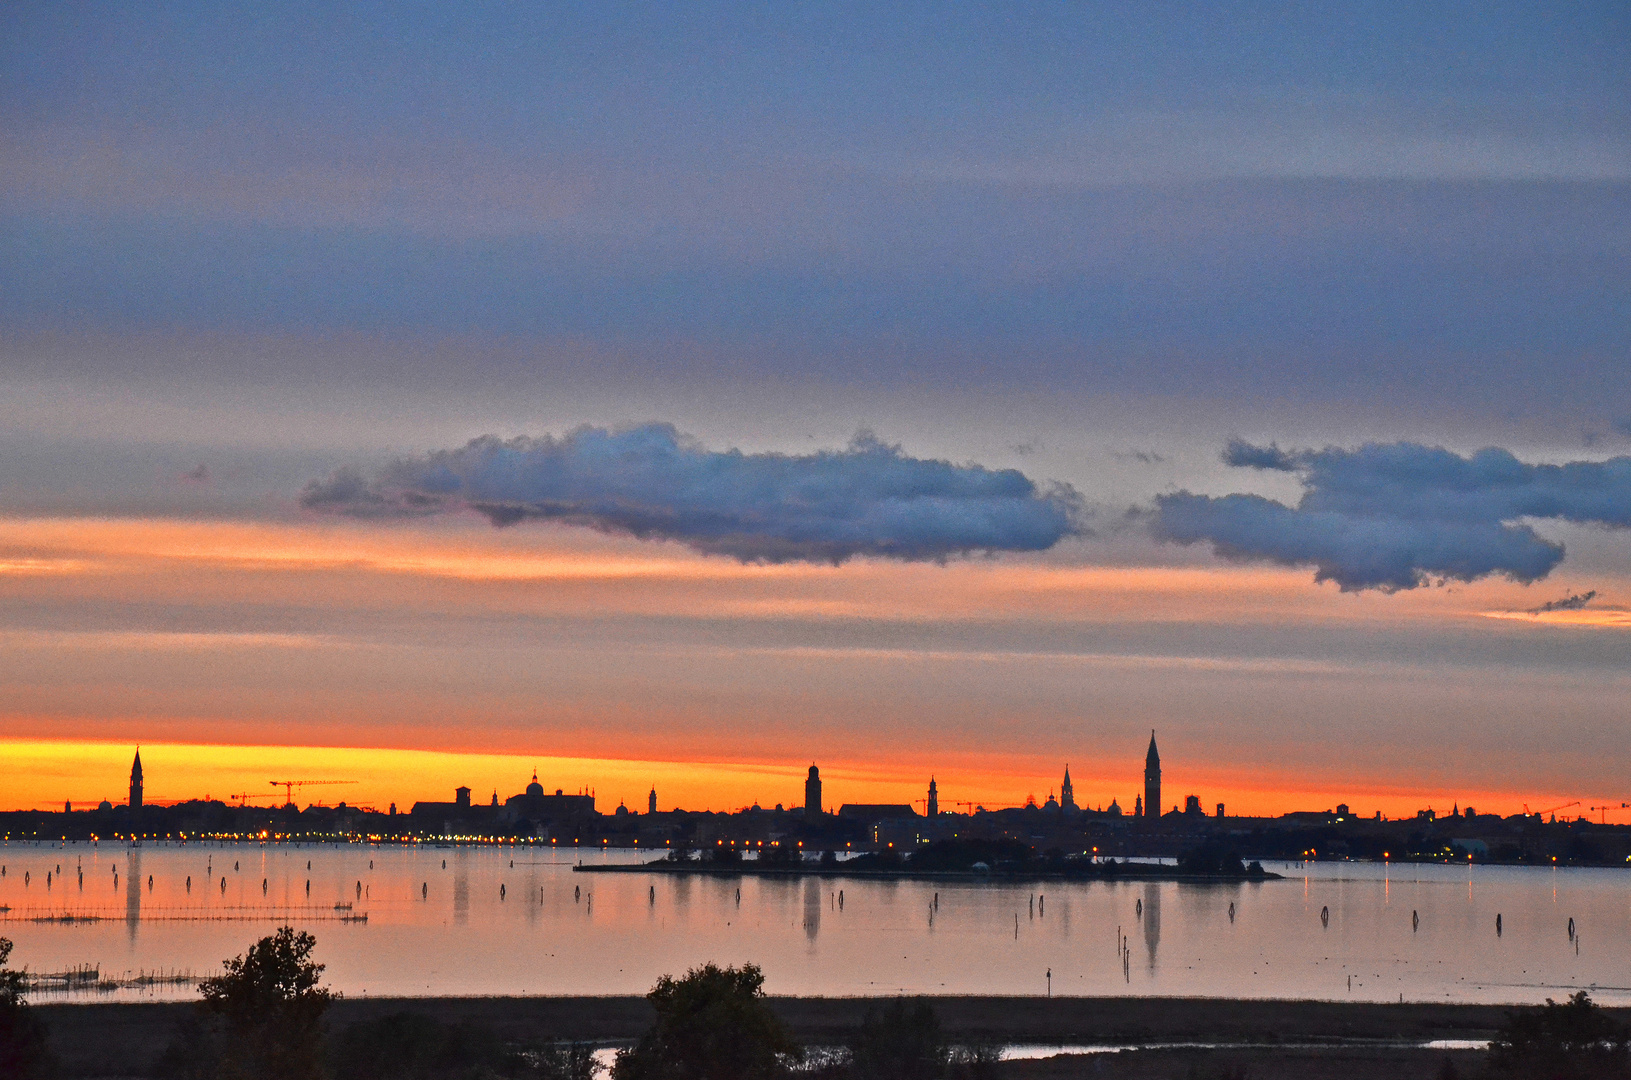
<point>888,939</point>
<point>461,887</point>
<point>1152,920</point>
<point>812,907</point>
<point>133,893</point>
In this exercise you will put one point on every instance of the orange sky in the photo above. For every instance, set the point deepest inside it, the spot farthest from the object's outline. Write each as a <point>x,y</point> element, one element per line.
<point>462,654</point>
<point>47,773</point>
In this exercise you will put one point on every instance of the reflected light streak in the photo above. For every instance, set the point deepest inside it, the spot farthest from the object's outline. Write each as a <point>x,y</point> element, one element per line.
<point>1610,618</point>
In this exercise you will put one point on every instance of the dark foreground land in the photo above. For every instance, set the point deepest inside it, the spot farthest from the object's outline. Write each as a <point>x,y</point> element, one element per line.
<point>1266,1039</point>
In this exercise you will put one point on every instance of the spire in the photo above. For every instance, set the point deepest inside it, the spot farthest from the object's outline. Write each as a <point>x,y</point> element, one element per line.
<point>136,767</point>
<point>1153,757</point>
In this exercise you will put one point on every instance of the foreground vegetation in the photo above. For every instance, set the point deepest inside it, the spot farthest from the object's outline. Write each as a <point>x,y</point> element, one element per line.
<point>269,1017</point>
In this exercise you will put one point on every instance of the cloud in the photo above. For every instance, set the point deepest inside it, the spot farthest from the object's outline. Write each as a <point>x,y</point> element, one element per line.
<point>1572,602</point>
<point>1399,516</point>
<point>654,483</point>
<point>1623,426</point>
<point>1244,455</point>
<point>200,475</point>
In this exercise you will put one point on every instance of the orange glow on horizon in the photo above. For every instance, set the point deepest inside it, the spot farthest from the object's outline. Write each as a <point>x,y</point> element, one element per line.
<point>459,648</point>
<point>42,774</point>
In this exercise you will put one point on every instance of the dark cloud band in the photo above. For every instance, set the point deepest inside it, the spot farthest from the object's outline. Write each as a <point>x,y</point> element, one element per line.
<point>1401,515</point>
<point>651,482</point>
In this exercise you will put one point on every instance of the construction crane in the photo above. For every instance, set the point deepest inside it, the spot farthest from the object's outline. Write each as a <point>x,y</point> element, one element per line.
<point>243,797</point>
<point>1606,807</point>
<point>1550,809</point>
<point>289,787</point>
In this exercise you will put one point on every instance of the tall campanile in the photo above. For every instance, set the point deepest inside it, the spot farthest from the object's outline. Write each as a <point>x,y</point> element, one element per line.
<point>136,794</point>
<point>812,795</point>
<point>1152,780</point>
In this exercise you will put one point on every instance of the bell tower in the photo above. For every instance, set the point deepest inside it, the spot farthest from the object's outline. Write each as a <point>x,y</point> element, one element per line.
<point>136,795</point>
<point>812,794</point>
<point>1152,780</point>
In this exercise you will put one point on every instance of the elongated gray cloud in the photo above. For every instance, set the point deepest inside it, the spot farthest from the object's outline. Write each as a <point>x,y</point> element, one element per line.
<point>1402,515</point>
<point>652,482</point>
<point>1572,602</point>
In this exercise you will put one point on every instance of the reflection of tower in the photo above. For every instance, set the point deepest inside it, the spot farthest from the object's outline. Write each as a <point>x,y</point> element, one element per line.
<point>1067,794</point>
<point>136,797</point>
<point>651,800</point>
<point>133,891</point>
<point>934,799</point>
<point>1152,780</point>
<point>1152,919</point>
<point>461,887</point>
<point>812,907</point>
<point>812,794</point>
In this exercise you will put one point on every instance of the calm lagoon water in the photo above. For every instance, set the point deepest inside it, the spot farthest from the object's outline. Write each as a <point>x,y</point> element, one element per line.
<point>481,925</point>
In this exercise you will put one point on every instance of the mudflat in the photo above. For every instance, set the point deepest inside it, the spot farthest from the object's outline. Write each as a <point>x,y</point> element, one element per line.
<point>1326,1038</point>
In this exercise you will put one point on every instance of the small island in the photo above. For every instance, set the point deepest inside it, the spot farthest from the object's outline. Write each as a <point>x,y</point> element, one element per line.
<point>957,860</point>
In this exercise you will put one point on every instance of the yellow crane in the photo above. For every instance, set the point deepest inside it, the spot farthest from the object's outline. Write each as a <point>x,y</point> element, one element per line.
<point>1606,807</point>
<point>1550,809</point>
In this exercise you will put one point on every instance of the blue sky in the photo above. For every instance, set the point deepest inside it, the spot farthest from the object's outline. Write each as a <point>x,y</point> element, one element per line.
<point>242,247</point>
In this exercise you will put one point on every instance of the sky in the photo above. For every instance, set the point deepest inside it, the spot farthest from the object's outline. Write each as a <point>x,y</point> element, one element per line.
<point>419,394</point>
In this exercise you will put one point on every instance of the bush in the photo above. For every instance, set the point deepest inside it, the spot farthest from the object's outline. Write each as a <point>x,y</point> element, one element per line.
<point>899,1042</point>
<point>1212,857</point>
<point>713,1024</point>
<point>406,1046</point>
<point>963,854</point>
<point>23,1050</point>
<point>262,1019</point>
<point>1572,1041</point>
<point>781,855</point>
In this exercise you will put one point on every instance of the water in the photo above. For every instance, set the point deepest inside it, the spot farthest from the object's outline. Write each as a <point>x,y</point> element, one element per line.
<point>435,931</point>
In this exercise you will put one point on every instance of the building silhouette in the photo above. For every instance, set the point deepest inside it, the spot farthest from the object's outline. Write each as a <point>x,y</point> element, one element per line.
<point>1152,780</point>
<point>812,794</point>
<point>651,800</point>
<point>1067,794</point>
<point>934,799</point>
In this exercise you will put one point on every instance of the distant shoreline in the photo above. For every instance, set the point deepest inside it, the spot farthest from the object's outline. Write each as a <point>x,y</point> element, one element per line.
<point>1123,872</point>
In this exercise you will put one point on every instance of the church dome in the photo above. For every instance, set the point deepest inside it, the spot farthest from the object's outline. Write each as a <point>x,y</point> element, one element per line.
<point>535,788</point>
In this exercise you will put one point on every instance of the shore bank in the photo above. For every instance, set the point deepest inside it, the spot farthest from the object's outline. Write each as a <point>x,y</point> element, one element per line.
<point>122,1040</point>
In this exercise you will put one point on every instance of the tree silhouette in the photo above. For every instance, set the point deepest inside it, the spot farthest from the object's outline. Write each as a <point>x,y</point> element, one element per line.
<point>1576,1040</point>
<point>263,1016</point>
<point>23,1052</point>
<point>714,1024</point>
<point>899,1042</point>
